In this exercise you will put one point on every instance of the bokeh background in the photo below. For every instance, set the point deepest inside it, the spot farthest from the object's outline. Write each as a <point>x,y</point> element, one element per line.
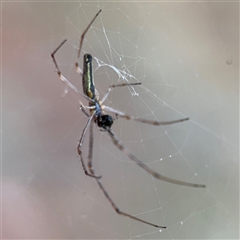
<point>186,54</point>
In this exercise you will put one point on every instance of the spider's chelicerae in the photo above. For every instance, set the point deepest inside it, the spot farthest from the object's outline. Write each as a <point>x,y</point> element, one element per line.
<point>97,114</point>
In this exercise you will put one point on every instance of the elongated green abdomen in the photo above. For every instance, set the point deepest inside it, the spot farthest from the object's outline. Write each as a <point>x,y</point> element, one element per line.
<point>87,79</point>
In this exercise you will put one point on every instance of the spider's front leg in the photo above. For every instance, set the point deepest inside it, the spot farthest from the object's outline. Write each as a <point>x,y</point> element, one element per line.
<point>79,147</point>
<point>90,168</point>
<point>120,146</point>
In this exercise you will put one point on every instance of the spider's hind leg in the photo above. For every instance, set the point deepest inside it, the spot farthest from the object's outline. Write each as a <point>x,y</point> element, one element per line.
<point>78,69</point>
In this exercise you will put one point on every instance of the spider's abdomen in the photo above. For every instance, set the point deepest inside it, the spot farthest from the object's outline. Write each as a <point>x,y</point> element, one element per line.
<point>104,121</point>
<point>87,79</point>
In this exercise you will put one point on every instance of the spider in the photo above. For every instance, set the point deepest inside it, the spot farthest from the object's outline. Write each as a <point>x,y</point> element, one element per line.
<point>98,115</point>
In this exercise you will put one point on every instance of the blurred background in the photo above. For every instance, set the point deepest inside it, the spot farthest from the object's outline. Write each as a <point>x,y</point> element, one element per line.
<point>186,55</point>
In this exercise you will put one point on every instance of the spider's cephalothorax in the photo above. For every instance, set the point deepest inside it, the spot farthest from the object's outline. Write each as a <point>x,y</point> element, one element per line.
<point>104,121</point>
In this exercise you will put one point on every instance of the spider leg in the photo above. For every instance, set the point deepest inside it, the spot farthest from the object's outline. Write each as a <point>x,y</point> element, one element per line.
<point>118,211</point>
<point>79,147</point>
<point>58,70</point>
<point>64,79</point>
<point>82,108</point>
<point>90,149</point>
<point>78,69</point>
<point>114,86</point>
<point>142,120</point>
<point>120,146</point>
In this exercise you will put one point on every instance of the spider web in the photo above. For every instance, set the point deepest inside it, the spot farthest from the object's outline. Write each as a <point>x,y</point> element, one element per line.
<point>153,43</point>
